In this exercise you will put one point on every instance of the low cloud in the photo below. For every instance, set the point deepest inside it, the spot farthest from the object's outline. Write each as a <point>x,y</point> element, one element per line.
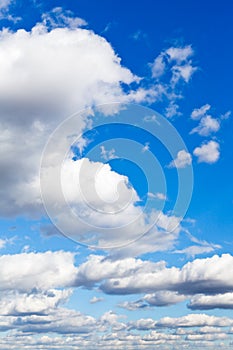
<point>207,152</point>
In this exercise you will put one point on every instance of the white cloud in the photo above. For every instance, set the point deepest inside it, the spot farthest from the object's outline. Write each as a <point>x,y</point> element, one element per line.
<point>207,302</point>
<point>45,76</point>
<point>180,54</point>
<point>207,152</point>
<point>172,110</point>
<point>108,154</point>
<point>198,113</point>
<point>95,300</point>
<point>225,115</point>
<point>4,4</point>
<point>203,247</point>
<point>158,66</point>
<point>26,271</point>
<point>163,298</point>
<point>194,320</point>
<point>146,147</point>
<point>182,160</point>
<point>158,195</point>
<point>2,243</point>
<point>206,126</point>
<point>36,302</point>
<point>132,276</point>
<point>183,72</point>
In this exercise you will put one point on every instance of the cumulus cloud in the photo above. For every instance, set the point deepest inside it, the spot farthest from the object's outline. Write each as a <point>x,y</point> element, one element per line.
<point>23,272</point>
<point>207,152</point>
<point>207,126</point>
<point>131,276</point>
<point>46,74</point>
<point>182,160</point>
<point>207,302</point>
<point>35,302</point>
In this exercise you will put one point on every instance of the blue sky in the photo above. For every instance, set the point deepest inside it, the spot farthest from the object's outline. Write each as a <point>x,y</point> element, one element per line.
<point>116,175</point>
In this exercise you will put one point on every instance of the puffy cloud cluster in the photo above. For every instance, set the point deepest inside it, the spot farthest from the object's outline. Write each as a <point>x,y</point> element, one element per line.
<point>173,68</point>
<point>33,295</point>
<point>182,160</point>
<point>46,74</point>
<point>207,152</point>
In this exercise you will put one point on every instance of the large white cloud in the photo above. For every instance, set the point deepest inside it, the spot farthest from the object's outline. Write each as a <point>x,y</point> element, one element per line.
<point>26,271</point>
<point>131,276</point>
<point>45,76</point>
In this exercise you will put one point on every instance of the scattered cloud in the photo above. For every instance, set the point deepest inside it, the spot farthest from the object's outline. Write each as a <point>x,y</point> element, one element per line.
<point>158,66</point>
<point>172,110</point>
<point>207,302</point>
<point>207,152</point>
<point>158,195</point>
<point>182,160</point>
<point>108,154</point>
<point>95,300</point>
<point>198,113</point>
<point>207,126</point>
<point>59,18</point>
<point>146,147</point>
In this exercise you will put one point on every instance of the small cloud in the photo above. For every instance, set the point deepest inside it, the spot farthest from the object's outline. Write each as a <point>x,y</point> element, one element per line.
<point>26,249</point>
<point>95,300</point>
<point>2,243</point>
<point>146,147</point>
<point>183,72</point>
<point>207,152</point>
<point>5,241</point>
<point>139,35</point>
<point>107,155</point>
<point>180,54</point>
<point>172,110</point>
<point>198,113</point>
<point>206,126</point>
<point>194,250</point>
<point>225,115</point>
<point>158,195</point>
<point>182,160</point>
<point>58,18</point>
<point>151,118</point>
<point>158,66</point>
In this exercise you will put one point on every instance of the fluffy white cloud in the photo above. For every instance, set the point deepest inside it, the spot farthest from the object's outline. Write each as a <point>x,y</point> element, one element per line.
<point>206,302</point>
<point>207,152</point>
<point>198,113</point>
<point>180,54</point>
<point>194,320</point>
<point>95,300</point>
<point>206,126</point>
<point>182,160</point>
<point>131,276</point>
<point>61,18</point>
<point>45,76</point>
<point>13,303</point>
<point>26,271</point>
